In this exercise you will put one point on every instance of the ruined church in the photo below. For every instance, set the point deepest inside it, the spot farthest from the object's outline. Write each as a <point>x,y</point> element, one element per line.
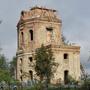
<point>39,26</point>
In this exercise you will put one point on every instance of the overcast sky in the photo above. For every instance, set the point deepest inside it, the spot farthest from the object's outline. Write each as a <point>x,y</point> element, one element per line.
<point>75,15</point>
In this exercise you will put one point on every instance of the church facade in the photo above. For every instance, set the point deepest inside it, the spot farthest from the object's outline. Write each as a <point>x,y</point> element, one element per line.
<point>42,26</point>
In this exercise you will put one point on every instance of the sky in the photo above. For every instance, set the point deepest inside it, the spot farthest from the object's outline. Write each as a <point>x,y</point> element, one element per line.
<point>75,15</point>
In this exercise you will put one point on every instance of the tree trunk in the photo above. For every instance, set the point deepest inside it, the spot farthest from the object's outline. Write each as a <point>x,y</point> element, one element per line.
<point>41,79</point>
<point>46,84</point>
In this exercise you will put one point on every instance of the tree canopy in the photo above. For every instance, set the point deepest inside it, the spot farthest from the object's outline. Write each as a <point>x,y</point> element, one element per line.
<point>3,62</point>
<point>45,63</point>
<point>13,64</point>
<point>4,69</point>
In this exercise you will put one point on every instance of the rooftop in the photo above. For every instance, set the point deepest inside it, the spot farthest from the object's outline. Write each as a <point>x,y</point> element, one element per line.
<point>42,8</point>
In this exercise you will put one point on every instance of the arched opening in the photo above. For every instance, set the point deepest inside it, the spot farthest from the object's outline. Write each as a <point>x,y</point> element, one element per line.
<point>49,34</point>
<point>66,76</point>
<point>31,74</point>
<point>21,78</point>
<point>31,34</point>
<point>30,59</point>
<point>22,38</point>
<point>22,13</point>
<point>20,60</point>
<point>65,56</point>
<point>21,71</point>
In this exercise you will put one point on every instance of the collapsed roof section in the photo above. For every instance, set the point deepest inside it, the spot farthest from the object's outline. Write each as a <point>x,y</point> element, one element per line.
<point>41,14</point>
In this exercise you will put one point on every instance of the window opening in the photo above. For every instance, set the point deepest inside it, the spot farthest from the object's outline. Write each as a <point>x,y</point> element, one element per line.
<point>21,78</point>
<point>65,56</point>
<point>21,60</point>
<point>66,76</point>
<point>22,13</point>
<point>49,34</point>
<point>31,74</point>
<point>21,71</point>
<point>30,59</point>
<point>49,29</point>
<point>31,34</point>
<point>22,36</point>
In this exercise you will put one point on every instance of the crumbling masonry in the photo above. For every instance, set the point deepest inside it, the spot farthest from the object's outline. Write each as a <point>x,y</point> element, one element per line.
<point>42,26</point>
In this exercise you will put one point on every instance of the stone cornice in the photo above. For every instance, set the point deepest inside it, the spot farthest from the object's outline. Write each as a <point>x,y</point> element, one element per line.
<point>66,48</point>
<point>37,20</point>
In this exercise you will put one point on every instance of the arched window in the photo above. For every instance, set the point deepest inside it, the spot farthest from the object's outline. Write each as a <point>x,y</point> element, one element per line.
<point>21,78</point>
<point>30,59</point>
<point>31,74</point>
<point>65,56</point>
<point>20,60</point>
<point>21,71</point>
<point>22,37</point>
<point>66,76</point>
<point>49,34</point>
<point>31,34</point>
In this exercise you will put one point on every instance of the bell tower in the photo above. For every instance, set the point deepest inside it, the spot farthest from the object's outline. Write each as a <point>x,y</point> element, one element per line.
<point>39,26</point>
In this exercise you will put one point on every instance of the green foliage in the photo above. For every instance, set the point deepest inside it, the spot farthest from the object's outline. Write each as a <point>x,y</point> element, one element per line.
<point>86,81</point>
<point>63,38</point>
<point>45,63</point>
<point>5,76</point>
<point>4,70</point>
<point>36,87</point>
<point>3,63</point>
<point>13,64</point>
<point>71,80</point>
<point>65,41</point>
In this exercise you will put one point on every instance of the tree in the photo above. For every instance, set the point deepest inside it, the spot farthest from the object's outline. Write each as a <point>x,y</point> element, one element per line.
<point>45,64</point>
<point>71,80</point>
<point>4,69</point>
<point>5,76</point>
<point>13,64</point>
<point>3,63</point>
<point>65,41</point>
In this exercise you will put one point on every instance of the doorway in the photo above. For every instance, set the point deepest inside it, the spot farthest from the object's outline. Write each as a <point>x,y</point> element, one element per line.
<point>66,76</point>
